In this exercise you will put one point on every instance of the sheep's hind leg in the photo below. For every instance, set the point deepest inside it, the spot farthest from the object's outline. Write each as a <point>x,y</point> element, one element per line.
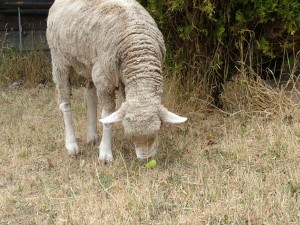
<point>63,86</point>
<point>71,144</point>
<point>91,103</point>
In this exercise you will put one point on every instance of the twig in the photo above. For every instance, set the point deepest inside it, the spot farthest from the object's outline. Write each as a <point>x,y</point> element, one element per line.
<point>127,174</point>
<point>105,189</point>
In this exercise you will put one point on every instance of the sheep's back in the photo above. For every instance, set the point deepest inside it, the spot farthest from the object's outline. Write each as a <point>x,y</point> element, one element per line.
<point>84,32</point>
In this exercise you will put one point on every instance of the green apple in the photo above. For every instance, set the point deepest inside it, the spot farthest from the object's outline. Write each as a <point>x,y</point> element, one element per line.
<point>151,164</point>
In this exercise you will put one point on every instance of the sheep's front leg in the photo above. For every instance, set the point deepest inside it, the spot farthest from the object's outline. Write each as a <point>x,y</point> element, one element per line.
<point>91,104</point>
<point>107,100</point>
<point>106,97</point>
<point>105,152</point>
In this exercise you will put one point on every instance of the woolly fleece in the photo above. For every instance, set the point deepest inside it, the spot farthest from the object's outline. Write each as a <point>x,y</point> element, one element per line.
<point>115,44</point>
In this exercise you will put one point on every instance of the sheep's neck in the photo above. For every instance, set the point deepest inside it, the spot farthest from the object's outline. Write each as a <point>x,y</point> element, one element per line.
<point>143,91</point>
<point>142,76</point>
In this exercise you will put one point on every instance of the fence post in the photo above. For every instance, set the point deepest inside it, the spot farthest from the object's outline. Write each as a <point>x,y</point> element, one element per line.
<point>20,29</point>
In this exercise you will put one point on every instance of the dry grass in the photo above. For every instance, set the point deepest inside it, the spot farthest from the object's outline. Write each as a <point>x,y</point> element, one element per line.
<point>29,66</point>
<point>218,168</point>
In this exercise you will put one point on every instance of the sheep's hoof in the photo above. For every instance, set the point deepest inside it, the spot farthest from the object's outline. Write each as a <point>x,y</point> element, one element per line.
<point>106,159</point>
<point>92,139</point>
<point>91,142</point>
<point>72,148</point>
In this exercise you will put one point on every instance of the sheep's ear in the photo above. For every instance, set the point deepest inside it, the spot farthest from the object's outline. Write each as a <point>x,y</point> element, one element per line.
<point>112,118</point>
<point>169,117</point>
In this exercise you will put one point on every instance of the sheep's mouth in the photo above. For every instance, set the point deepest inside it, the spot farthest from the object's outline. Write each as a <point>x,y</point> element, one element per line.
<point>144,152</point>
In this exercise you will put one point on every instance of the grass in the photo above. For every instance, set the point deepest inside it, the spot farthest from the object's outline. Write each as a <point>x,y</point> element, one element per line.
<point>30,67</point>
<point>237,166</point>
<point>241,166</point>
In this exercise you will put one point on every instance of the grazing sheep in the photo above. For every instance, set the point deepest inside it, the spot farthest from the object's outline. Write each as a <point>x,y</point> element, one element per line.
<point>115,44</point>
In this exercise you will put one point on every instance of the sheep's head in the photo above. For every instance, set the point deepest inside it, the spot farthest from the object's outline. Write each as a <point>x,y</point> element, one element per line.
<point>141,124</point>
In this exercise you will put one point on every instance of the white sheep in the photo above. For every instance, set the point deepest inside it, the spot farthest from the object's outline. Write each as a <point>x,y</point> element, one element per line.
<point>115,44</point>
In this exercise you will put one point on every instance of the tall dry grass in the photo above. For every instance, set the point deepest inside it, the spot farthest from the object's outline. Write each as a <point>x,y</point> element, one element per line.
<point>32,67</point>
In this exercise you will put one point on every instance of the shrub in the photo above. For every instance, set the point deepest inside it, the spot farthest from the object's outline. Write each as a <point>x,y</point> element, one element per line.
<point>207,39</point>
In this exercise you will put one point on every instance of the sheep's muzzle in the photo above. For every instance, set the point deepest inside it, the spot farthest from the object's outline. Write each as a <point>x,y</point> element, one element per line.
<point>145,147</point>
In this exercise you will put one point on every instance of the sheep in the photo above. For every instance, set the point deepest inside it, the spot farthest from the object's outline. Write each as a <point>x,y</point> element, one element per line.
<point>114,44</point>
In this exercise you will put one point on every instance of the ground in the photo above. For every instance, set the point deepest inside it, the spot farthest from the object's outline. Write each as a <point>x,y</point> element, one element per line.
<point>218,168</point>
